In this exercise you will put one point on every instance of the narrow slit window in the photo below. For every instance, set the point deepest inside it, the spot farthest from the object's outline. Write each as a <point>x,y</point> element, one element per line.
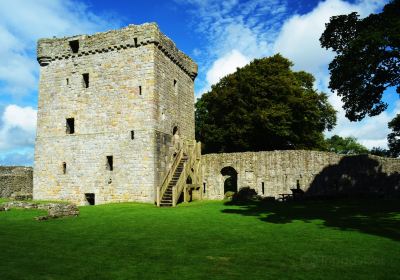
<point>64,168</point>
<point>204,187</point>
<point>85,77</point>
<point>67,81</point>
<point>262,188</point>
<point>135,41</point>
<point>132,134</point>
<point>175,86</point>
<point>110,165</point>
<point>70,123</point>
<point>140,90</point>
<point>74,45</point>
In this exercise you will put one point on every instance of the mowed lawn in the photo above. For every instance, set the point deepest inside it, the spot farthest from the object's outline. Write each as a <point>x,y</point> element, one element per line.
<point>333,239</point>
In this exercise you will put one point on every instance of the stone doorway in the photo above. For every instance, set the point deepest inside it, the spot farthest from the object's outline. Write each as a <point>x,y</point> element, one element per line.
<point>230,179</point>
<point>90,198</point>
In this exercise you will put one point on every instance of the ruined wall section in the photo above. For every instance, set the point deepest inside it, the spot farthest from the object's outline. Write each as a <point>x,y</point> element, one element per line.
<point>14,179</point>
<point>319,173</point>
<point>105,113</point>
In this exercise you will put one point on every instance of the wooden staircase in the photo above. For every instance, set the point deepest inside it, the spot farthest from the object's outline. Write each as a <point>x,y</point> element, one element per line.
<point>185,163</point>
<point>166,199</point>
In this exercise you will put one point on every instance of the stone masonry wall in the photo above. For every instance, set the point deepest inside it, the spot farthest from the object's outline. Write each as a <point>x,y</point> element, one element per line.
<point>123,96</point>
<point>318,173</point>
<point>15,179</point>
<point>175,108</point>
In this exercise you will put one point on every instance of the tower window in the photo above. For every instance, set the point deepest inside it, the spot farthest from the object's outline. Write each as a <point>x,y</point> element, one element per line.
<point>140,90</point>
<point>132,134</point>
<point>135,40</point>
<point>70,126</point>
<point>64,168</point>
<point>204,187</point>
<point>85,77</point>
<point>262,188</point>
<point>110,163</point>
<point>74,45</point>
<point>67,81</point>
<point>175,86</point>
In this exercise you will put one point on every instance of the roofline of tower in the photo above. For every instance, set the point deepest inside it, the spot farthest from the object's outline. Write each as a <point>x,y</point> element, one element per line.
<point>132,36</point>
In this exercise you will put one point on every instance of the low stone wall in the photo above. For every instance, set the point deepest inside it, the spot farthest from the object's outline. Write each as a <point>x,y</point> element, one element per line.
<point>55,210</point>
<point>15,179</point>
<point>316,173</point>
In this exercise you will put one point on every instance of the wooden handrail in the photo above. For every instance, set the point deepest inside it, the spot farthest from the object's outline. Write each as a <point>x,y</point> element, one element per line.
<point>192,150</point>
<point>161,190</point>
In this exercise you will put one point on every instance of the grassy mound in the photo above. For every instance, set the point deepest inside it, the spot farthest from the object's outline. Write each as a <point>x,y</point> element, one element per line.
<point>206,240</point>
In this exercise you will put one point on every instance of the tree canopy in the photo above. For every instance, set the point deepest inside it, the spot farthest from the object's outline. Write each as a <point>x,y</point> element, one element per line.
<point>394,137</point>
<point>347,145</point>
<point>367,60</point>
<point>263,106</point>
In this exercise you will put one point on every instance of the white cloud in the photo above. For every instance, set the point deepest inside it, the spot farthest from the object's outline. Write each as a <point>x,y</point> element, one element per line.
<point>18,127</point>
<point>225,65</point>
<point>22,23</point>
<point>299,37</point>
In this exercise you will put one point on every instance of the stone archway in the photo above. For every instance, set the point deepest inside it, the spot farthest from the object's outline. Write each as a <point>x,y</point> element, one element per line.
<point>230,179</point>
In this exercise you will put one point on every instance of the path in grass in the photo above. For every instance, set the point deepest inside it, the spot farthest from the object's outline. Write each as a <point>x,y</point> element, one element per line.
<point>206,240</point>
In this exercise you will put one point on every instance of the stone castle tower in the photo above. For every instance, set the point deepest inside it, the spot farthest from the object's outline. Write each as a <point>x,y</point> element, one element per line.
<point>109,104</point>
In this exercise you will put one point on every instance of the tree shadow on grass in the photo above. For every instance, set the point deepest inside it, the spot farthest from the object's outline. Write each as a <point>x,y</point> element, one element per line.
<point>362,179</point>
<point>379,217</point>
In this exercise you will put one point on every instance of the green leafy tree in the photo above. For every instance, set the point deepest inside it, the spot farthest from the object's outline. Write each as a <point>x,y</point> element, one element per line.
<point>263,106</point>
<point>367,60</point>
<point>378,151</point>
<point>347,145</point>
<point>394,137</point>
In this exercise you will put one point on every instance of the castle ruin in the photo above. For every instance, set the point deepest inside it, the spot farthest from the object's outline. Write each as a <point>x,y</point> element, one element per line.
<point>116,124</point>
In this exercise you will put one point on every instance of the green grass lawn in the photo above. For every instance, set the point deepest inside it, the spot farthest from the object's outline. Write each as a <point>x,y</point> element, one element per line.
<point>340,239</point>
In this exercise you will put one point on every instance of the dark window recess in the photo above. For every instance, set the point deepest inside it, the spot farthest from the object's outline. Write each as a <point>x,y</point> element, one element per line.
<point>85,80</point>
<point>140,90</point>
<point>110,163</point>
<point>90,198</point>
<point>70,126</point>
<point>204,187</point>
<point>67,80</point>
<point>135,40</point>
<point>262,188</point>
<point>74,45</point>
<point>175,87</point>
<point>132,134</point>
<point>64,167</point>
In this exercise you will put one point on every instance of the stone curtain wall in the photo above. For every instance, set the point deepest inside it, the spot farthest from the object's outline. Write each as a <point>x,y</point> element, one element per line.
<point>318,173</point>
<point>15,179</point>
<point>131,88</point>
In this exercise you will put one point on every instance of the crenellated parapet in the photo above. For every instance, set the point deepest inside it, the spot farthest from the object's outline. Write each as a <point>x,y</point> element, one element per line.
<point>132,36</point>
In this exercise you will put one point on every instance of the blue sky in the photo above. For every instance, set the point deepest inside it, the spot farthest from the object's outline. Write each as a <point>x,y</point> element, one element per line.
<point>218,35</point>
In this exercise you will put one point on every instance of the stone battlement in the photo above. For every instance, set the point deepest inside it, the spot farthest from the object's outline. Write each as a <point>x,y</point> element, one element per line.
<point>132,36</point>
